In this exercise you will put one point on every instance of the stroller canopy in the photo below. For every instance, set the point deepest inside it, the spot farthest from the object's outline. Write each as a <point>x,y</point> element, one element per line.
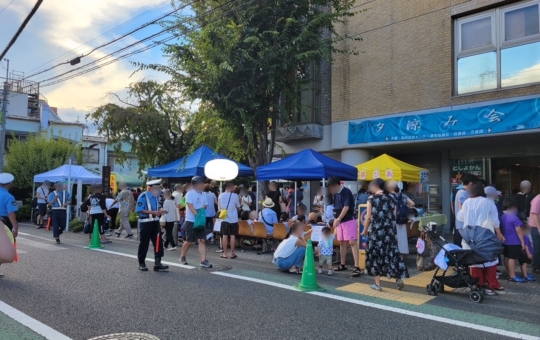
<point>483,242</point>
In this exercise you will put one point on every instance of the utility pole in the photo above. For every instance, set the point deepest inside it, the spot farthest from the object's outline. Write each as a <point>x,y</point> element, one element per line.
<point>3,116</point>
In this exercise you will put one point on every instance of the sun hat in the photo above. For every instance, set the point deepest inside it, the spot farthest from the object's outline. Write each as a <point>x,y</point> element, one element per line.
<point>268,203</point>
<point>489,190</point>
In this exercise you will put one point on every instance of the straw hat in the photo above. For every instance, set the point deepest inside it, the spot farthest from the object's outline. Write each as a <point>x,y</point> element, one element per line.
<point>268,203</point>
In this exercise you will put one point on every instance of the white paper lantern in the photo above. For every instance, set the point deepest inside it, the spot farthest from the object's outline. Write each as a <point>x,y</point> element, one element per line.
<point>221,170</point>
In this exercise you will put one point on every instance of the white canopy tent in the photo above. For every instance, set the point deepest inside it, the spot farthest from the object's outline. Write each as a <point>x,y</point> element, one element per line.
<point>69,173</point>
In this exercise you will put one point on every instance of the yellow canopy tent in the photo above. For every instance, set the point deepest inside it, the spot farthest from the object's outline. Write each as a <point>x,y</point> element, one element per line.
<point>387,168</point>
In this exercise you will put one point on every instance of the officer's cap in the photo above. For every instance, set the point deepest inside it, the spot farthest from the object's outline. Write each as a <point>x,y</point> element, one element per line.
<point>6,178</point>
<point>153,182</point>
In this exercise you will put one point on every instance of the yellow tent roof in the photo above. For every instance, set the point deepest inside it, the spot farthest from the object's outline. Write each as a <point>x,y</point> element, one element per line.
<point>387,167</point>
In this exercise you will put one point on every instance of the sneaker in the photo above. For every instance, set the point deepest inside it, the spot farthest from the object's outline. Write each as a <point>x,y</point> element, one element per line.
<point>128,236</point>
<point>375,287</point>
<point>330,272</point>
<point>399,284</point>
<point>173,248</point>
<point>206,264</point>
<point>142,267</point>
<point>183,260</point>
<point>117,234</point>
<point>517,279</point>
<point>530,278</point>
<point>320,270</point>
<point>57,241</point>
<point>489,292</point>
<point>219,251</point>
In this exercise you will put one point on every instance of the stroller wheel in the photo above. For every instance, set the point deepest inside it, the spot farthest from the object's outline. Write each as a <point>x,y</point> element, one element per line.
<point>441,288</point>
<point>435,289</point>
<point>431,289</point>
<point>428,289</point>
<point>476,297</point>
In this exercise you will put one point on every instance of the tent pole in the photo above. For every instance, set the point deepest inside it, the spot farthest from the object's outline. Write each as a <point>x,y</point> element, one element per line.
<point>257,200</point>
<point>68,208</point>
<point>33,195</point>
<point>295,196</point>
<point>79,198</point>
<point>324,198</point>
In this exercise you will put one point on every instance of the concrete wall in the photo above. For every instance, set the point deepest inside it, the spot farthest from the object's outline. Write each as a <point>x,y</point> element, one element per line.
<point>18,104</point>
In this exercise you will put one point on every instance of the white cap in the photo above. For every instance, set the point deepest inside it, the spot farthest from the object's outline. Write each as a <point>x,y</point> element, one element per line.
<point>525,184</point>
<point>154,182</point>
<point>491,191</point>
<point>6,178</point>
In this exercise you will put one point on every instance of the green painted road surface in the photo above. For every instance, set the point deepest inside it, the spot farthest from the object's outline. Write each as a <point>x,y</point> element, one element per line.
<point>12,330</point>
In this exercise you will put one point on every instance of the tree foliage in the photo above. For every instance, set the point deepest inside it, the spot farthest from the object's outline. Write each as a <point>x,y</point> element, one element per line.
<point>247,59</point>
<point>152,119</point>
<point>37,154</point>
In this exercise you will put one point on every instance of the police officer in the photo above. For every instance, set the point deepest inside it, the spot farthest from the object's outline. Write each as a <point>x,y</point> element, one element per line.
<point>8,206</point>
<point>149,211</point>
<point>59,201</point>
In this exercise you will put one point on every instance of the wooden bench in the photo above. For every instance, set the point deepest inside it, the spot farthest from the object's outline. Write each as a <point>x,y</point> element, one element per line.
<point>280,231</point>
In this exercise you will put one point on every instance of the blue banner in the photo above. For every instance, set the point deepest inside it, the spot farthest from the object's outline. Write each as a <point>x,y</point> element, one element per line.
<point>485,120</point>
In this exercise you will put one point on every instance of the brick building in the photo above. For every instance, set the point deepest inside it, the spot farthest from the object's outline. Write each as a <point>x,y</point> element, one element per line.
<point>443,84</point>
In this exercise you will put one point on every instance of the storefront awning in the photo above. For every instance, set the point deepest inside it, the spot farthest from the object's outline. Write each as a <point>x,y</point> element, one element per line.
<point>390,168</point>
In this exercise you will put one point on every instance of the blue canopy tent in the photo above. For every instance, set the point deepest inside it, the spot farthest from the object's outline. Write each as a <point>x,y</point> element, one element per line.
<point>307,165</point>
<point>193,165</point>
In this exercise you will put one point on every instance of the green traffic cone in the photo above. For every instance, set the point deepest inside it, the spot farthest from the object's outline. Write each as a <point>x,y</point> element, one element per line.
<point>308,283</point>
<point>95,242</point>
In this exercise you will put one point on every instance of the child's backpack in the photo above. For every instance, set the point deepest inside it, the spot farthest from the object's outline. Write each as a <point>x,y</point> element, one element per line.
<point>402,210</point>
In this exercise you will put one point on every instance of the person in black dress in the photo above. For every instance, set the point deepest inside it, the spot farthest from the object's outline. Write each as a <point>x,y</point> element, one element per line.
<point>275,195</point>
<point>383,256</point>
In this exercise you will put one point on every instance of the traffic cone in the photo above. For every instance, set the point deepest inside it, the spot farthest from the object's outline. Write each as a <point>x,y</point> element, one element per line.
<point>95,242</point>
<point>308,283</point>
<point>49,220</point>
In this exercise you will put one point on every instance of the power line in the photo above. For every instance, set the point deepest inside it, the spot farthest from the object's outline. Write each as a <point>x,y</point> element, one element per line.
<point>102,35</point>
<point>21,28</point>
<point>140,50</point>
<point>3,9</point>
<point>77,59</point>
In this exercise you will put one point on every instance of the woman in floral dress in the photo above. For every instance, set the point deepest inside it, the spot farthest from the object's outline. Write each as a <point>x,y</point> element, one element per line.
<point>383,256</point>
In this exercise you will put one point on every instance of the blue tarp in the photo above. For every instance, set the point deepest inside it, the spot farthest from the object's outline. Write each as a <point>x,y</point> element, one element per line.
<point>193,165</point>
<point>78,173</point>
<point>307,165</point>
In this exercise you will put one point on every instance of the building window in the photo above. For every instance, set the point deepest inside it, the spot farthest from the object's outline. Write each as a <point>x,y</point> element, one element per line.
<point>308,100</point>
<point>91,156</point>
<point>498,49</point>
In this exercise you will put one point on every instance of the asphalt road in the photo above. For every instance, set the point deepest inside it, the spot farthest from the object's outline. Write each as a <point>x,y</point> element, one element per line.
<point>84,294</point>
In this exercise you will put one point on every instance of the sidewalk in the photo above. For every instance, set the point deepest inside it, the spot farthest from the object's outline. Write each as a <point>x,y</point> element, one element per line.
<point>12,330</point>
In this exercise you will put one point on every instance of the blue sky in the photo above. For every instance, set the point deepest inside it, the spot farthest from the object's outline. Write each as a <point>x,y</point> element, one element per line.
<point>60,26</point>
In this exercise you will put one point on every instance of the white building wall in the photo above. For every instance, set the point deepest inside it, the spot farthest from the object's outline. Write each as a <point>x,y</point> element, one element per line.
<point>18,104</point>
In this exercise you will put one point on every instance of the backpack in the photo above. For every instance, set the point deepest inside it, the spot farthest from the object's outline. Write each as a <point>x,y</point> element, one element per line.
<point>402,210</point>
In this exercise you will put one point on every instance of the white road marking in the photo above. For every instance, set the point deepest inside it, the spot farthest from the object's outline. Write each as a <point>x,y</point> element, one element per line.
<point>31,323</point>
<point>174,264</point>
<point>492,330</point>
<point>34,244</point>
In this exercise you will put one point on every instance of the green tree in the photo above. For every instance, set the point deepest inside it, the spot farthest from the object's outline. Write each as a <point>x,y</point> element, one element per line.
<point>247,60</point>
<point>152,119</point>
<point>37,154</point>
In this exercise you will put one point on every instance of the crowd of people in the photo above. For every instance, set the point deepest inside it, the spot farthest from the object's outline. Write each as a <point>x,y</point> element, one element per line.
<point>515,221</point>
<point>168,218</point>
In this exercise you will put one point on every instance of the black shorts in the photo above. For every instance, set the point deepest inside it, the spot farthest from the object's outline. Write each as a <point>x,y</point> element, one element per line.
<point>42,209</point>
<point>523,259</point>
<point>512,252</point>
<point>192,235</point>
<point>230,229</point>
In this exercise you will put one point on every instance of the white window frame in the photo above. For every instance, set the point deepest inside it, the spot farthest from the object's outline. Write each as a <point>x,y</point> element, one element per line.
<point>497,25</point>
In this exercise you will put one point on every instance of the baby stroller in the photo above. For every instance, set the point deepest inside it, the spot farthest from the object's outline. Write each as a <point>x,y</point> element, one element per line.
<point>485,248</point>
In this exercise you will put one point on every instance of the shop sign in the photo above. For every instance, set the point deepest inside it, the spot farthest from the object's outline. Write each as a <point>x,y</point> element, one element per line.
<point>480,121</point>
<point>470,166</point>
<point>389,174</point>
<point>376,174</point>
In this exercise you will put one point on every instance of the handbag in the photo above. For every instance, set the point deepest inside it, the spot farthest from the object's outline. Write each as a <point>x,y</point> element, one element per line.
<point>424,261</point>
<point>200,219</point>
<point>162,220</point>
<point>224,213</point>
<point>86,228</point>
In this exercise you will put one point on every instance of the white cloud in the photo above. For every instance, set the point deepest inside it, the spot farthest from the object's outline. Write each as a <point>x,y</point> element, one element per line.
<point>525,76</point>
<point>61,26</point>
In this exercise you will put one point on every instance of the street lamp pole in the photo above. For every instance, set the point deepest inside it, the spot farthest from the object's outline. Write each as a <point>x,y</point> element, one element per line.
<point>3,117</point>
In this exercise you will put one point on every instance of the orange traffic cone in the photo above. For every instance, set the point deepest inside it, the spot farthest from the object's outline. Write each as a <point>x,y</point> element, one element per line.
<point>49,220</point>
